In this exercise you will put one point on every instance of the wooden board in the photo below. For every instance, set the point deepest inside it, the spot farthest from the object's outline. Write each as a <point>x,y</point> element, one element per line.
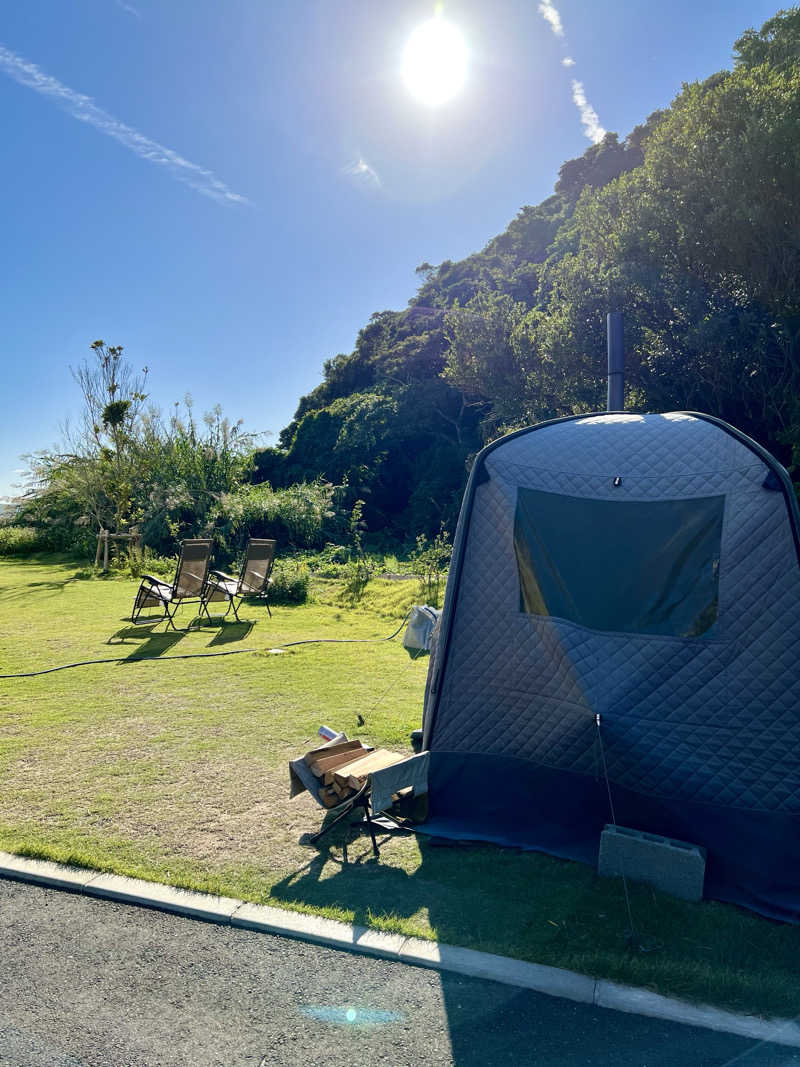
<point>330,763</point>
<point>353,773</point>
<point>329,777</point>
<point>330,750</point>
<point>329,798</point>
<point>357,782</point>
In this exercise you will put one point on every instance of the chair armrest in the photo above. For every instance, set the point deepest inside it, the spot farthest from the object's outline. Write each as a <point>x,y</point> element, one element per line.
<point>155,581</point>
<point>220,574</point>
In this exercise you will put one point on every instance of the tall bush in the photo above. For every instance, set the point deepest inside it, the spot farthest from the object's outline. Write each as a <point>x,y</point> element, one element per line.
<point>126,469</point>
<point>185,469</point>
<point>303,516</point>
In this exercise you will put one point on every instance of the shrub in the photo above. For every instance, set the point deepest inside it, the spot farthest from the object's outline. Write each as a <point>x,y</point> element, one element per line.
<point>330,562</point>
<point>20,541</point>
<point>135,561</point>
<point>430,560</point>
<point>358,571</point>
<point>59,521</point>
<point>289,583</point>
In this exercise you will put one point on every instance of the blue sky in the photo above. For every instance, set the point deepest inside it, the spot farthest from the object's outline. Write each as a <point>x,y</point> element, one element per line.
<point>249,180</point>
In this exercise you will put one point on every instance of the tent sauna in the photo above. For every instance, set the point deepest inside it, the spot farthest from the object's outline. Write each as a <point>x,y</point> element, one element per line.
<point>643,569</point>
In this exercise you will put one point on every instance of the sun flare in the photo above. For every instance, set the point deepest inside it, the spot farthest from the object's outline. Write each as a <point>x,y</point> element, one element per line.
<point>434,62</point>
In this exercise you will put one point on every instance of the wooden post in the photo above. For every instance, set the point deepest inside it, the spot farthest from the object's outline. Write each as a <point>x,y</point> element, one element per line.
<point>102,544</point>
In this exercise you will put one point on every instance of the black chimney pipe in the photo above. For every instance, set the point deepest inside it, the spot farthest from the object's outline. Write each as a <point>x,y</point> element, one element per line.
<point>616,362</point>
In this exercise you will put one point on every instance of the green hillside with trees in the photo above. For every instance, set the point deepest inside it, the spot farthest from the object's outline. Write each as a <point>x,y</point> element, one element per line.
<point>690,225</point>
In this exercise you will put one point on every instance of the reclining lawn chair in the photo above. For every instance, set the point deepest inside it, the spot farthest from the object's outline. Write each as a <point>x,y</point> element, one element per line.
<point>189,584</point>
<point>253,581</point>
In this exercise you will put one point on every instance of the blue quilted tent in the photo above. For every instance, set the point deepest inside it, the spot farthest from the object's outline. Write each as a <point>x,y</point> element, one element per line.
<point>646,569</point>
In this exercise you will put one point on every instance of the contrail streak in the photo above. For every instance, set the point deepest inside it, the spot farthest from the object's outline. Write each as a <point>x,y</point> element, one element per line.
<point>589,118</point>
<point>548,12</point>
<point>84,109</point>
<point>591,123</point>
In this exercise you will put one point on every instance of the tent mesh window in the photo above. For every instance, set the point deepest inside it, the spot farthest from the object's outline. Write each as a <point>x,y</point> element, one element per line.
<point>643,567</point>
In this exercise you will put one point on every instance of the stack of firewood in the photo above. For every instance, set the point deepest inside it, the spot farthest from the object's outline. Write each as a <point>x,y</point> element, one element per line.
<point>343,768</point>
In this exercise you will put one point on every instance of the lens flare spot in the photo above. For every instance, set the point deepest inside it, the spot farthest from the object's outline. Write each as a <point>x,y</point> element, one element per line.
<point>352,1016</point>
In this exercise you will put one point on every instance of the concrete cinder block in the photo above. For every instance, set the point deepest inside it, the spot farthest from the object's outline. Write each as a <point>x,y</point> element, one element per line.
<point>675,867</point>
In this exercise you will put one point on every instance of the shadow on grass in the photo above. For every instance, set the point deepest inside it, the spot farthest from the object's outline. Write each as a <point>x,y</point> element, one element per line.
<point>22,592</point>
<point>147,645</point>
<point>449,887</point>
<point>48,559</point>
<point>228,632</point>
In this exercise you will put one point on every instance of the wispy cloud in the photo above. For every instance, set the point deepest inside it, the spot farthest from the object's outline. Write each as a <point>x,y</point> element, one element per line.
<point>360,171</point>
<point>591,123</point>
<point>551,15</point>
<point>84,109</point>
<point>589,118</point>
<point>128,9</point>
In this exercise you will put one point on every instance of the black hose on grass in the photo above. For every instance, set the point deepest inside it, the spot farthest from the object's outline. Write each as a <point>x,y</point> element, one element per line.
<point>205,655</point>
<point>127,659</point>
<point>345,640</point>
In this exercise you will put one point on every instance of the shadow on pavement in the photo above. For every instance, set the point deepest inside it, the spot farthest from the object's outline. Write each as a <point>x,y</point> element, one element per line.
<point>491,1023</point>
<point>495,1024</point>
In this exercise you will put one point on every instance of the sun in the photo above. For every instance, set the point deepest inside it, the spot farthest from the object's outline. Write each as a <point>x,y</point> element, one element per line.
<point>434,62</point>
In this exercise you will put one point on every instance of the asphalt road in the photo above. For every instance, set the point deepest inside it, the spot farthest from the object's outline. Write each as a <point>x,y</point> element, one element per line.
<point>85,983</point>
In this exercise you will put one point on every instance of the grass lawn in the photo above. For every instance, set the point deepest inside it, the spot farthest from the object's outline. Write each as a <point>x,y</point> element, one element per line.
<point>175,770</point>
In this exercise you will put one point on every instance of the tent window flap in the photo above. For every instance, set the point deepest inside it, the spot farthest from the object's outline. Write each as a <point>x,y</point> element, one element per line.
<point>644,567</point>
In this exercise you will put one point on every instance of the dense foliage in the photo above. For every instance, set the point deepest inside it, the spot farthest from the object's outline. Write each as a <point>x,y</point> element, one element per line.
<point>131,470</point>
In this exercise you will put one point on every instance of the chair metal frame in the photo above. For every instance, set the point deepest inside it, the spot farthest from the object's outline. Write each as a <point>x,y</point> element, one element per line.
<point>188,585</point>
<point>358,800</point>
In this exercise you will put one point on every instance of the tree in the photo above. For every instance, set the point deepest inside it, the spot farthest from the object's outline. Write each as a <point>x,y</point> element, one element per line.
<point>113,395</point>
<point>776,43</point>
<point>701,246</point>
<point>485,359</point>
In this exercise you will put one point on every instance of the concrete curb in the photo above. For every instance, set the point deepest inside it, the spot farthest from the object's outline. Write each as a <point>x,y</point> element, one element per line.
<point>550,980</point>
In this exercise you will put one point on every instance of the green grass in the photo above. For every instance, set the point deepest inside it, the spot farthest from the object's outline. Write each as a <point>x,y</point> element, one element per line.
<point>175,770</point>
